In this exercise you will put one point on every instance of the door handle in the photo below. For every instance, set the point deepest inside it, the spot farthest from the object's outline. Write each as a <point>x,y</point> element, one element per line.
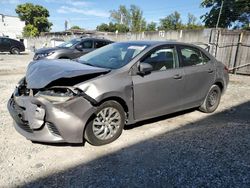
<point>177,76</point>
<point>210,71</point>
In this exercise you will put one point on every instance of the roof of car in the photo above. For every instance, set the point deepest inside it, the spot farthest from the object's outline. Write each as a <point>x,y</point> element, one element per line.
<point>9,38</point>
<point>94,38</point>
<point>152,42</point>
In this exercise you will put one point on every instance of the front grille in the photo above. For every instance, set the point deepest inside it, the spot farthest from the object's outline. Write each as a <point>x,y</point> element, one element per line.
<point>52,128</point>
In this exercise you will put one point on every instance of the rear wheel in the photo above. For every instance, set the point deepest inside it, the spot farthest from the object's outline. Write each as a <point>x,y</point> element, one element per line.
<point>15,51</point>
<point>212,100</point>
<point>106,125</point>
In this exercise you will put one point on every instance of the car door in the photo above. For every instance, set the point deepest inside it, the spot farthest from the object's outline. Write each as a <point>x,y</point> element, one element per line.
<point>199,74</point>
<point>5,44</point>
<point>161,91</point>
<point>1,45</point>
<point>86,47</point>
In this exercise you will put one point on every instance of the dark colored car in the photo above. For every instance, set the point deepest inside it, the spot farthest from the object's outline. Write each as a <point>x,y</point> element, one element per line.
<point>121,83</point>
<point>71,49</point>
<point>11,45</point>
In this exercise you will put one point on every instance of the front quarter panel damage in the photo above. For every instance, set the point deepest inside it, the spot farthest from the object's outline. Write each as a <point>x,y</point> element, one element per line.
<point>113,86</point>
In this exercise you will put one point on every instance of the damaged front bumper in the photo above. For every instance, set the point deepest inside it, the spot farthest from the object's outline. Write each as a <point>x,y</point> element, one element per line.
<point>40,120</point>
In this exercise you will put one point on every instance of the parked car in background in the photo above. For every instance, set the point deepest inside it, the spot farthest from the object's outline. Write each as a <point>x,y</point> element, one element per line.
<point>121,83</point>
<point>11,45</point>
<point>71,49</point>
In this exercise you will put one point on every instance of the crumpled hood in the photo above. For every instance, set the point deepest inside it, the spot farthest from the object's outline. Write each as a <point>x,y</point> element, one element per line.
<point>40,73</point>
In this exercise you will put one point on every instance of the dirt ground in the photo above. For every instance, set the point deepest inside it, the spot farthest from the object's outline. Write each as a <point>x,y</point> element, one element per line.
<point>188,149</point>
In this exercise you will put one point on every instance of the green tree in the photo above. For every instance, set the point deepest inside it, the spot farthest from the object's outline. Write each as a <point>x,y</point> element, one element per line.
<point>138,23</point>
<point>112,27</point>
<point>75,27</point>
<point>122,28</point>
<point>30,31</point>
<point>151,26</point>
<point>35,16</point>
<point>103,27</point>
<point>121,16</point>
<point>171,22</point>
<point>192,22</point>
<point>128,18</point>
<point>234,13</point>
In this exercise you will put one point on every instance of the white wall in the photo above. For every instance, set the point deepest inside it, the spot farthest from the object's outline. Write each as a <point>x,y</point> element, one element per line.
<point>11,26</point>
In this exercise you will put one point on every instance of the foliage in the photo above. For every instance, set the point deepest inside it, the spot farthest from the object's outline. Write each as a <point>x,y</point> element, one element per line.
<point>124,20</point>
<point>192,23</point>
<point>235,13</point>
<point>171,22</point>
<point>103,27</point>
<point>75,27</point>
<point>121,16</point>
<point>30,31</point>
<point>35,16</point>
<point>128,18</point>
<point>112,27</point>
<point>138,23</point>
<point>151,26</point>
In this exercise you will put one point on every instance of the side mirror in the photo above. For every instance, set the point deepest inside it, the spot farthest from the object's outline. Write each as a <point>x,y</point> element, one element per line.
<point>79,47</point>
<point>145,68</point>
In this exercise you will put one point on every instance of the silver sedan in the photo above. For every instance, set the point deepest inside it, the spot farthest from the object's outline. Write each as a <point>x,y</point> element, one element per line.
<point>121,83</point>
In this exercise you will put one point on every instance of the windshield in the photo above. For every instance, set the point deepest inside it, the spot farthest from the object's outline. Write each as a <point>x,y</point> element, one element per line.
<point>113,56</point>
<point>70,43</point>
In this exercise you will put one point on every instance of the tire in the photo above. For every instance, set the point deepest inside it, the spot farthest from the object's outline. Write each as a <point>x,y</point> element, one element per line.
<point>212,100</point>
<point>98,127</point>
<point>15,50</point>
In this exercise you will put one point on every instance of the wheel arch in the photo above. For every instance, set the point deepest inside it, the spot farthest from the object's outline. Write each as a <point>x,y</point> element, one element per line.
<point>117,99</point>
<point>220,84</point>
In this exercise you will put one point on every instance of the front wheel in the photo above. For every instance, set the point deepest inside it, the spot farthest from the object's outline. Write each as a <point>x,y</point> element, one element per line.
<point>15,51</point>
<point>106,125</point>
<point>212,100</point>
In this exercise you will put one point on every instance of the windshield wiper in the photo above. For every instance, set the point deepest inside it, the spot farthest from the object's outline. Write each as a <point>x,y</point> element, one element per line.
<point>89,64</point>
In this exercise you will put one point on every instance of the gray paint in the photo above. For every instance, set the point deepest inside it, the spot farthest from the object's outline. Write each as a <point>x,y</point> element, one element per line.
<point>41,73</point>
<point>155,94</point>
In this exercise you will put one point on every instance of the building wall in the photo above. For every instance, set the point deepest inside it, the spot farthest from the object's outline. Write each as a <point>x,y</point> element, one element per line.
<point>11,26</point>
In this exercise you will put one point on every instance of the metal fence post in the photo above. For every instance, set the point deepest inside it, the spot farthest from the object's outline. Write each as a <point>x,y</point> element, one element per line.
<point>217,42</point>
<point>237,52</point>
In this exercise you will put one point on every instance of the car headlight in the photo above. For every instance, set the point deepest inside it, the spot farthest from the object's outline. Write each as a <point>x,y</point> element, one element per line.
<point>39,56</point>
<point>55,95</point>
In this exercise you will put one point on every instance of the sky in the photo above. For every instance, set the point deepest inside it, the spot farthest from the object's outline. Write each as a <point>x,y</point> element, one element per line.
<point>90,13</point>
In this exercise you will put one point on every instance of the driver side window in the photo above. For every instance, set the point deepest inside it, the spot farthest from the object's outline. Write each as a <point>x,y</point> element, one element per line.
<point>87,44</point>
<point>162,59</point>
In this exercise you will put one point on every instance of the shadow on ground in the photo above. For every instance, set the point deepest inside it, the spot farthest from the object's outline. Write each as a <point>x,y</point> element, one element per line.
<point>212,152</point>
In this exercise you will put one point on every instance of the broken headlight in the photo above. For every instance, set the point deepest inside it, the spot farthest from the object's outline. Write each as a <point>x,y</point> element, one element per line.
<point>56,94</point>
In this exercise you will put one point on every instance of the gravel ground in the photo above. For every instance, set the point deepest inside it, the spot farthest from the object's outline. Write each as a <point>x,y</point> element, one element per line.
<point>187,149</point>
<point>14,64</point>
